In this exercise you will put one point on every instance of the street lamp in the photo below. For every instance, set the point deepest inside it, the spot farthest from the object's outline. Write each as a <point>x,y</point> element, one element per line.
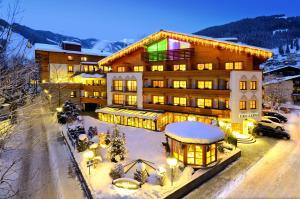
<point>172,162</point>
<point>89,155</point>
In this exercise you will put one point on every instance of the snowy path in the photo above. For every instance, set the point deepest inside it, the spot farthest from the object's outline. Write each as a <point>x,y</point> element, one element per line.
<point>47,170</point>
<point>277,174</point>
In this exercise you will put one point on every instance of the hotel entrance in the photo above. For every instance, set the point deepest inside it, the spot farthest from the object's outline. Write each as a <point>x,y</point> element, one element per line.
<point>248,126</point>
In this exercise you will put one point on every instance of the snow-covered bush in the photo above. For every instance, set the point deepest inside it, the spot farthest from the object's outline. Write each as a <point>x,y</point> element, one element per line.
<point>92,131</point>
<point>107,138</point>
<point>117,171</point>
<point>116,149</point>
<point>140,173</point>
<point>82,143</point>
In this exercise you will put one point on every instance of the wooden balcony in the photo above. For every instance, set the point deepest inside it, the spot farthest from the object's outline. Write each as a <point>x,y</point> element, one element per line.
<point>190,110</point>
<point>187,91</point>
<point>123,89</point>
<point>188,73</point>
<point>168,55</point>
<point>95,100</point>
<point>86,87</point>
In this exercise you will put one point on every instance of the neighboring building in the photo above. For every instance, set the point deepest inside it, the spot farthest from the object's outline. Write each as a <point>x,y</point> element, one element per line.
<point>170,77</point>
<point>283,71</point>
<point>69,72</point>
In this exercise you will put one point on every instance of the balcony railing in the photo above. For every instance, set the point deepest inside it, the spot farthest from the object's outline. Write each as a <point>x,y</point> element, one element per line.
<point>168,55</point>
<point>124,89</point>
<point>124,103</point>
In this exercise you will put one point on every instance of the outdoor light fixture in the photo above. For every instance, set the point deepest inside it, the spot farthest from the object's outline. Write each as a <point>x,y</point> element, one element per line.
<point>59,109</point>
<point>89,155</point>
<point>172,162</point>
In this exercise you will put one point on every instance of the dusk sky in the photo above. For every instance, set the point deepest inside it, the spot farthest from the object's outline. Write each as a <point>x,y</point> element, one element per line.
<point>118,19</point>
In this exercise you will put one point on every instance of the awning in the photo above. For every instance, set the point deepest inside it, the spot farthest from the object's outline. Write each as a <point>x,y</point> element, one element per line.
<point>130,113</point>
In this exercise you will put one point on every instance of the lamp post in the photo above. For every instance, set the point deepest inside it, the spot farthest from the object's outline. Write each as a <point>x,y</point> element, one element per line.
<point>89,155</point>
<point>172,162</point>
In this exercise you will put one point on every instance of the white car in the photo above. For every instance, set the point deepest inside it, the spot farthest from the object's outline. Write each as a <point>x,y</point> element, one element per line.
<point>270,123</point>
<point>273,119</point>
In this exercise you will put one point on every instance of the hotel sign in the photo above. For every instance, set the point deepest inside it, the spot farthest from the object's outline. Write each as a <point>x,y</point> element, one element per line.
<point>246,115</point>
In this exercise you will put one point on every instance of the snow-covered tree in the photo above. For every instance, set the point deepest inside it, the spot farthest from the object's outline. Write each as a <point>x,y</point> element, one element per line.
<point>116,149</point>
<point>280,50</point>
<point>297,44</point>
<point>107,138</point>
<point>117,171</point>
<point>140,173</point>
<point>287,50</point>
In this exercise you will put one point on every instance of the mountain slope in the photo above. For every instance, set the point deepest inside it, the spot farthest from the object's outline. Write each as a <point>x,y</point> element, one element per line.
<point>265,31</point>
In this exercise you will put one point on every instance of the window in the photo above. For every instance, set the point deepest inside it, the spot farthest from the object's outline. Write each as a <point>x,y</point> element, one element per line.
<point>226,103</point>
<point>96,94</point>
<point>253,85</point>
<point>206,66</point>
<point>179,67</point>
<point>242,105</point>
<point>181,101</point>
<point>83,58</point>
<point>118,99</point>
<point>121,69</point>
<point>194,154</point>
<point>205,84</point>
<point>177,150</point>
<point>70,58</point>
<point>179,84</point>
<point>158,83</point>
<point>86,94</point>
<point>210,153</point>
<point>138,68</point>
<point>131,100</point>
<point>73,94</point>
<point>91,68</point>
<point>243,85</point>
<point>204,103</point>
<point>234,65</point>
<point>118,85</point>
<point>70,69</point>
<point>85,68</point>
<point>157,68</point>
<point>131,85</point>
<point>105,68</point>
<point>89,82</point>
<point>158,99</point>
<point>252,104</point>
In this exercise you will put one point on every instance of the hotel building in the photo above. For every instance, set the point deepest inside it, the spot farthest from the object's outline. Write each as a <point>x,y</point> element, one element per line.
<point>169,77</point>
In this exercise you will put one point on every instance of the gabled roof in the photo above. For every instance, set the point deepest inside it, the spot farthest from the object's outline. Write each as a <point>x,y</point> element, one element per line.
<point>281,79</point>
<point>282,67</point>
<point>256,51</point>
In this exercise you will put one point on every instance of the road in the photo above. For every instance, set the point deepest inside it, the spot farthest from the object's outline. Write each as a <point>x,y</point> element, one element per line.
<point>46,171</point>
<point>268,168</point>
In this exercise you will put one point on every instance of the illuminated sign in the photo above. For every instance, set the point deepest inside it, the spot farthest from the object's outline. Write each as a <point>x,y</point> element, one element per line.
<point>246,115</point>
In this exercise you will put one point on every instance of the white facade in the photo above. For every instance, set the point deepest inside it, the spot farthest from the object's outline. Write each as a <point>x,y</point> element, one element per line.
<point>59,72</point>
<point>138,76</point>
<point>237,95</point>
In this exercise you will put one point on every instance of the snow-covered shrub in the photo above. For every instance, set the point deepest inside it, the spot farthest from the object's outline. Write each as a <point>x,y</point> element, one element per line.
<point>140,173</point>
<point>82,144</point>
<point>107,138</point>
<point>116,149</point>
<point>92,131</point>
<point>117,171</point>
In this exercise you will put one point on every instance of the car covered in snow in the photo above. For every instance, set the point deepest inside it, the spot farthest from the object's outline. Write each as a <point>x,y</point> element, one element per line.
<point>274,119</point>
<point>271,132</point>
<point>275,114</point>
<point>270,123</point>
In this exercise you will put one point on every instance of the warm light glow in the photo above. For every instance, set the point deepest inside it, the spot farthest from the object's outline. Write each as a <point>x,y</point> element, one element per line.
<point>172,162</point>
<point>88,155</point>
<point>59,109</point>
<point>46,91</point>
<point>126,183</point>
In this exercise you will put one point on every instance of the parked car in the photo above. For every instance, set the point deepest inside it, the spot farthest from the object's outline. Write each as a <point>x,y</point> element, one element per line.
<point>273,119</point>
<point>270,123</point>
<point>275,114</point>
<point>285,110</point>
<point>268,131</point>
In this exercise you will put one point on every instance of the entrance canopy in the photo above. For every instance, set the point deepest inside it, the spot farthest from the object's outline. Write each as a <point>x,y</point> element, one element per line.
<point>130,113</point>
<point>194,132</point>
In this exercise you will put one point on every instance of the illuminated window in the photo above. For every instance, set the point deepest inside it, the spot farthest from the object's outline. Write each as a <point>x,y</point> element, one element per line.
<point>105,68</point>
<point>226,103</point>
<point>158,83</point>
<point>177,150</point>
<point>83,58</point>
<point>70,69</point>
<point>179,67</point>
<point>252,104</point>
<point>70,58</point>
<point>91,68</point>
<point>205,84</point>
<point>229,66</point>
<point>190,154</point>
<point>118,99</point>
<point>234,65</point>
<point>179,84</point>
<point>181,101</point>
<point>96,94</point>
<point>206,66</point>
<point>73,94</point>
<point>131,100</point>
<point>210,153</point>
<point>138,68</point>
<point>243,85</point>
<point>157,68</point>
<point>131,85</point>
<point>117,85</point>
<point>204,103</point>
<point>253,85</point>
<point>242,105</point>
<point>158,99</point>
<point>121,69</point>
<point>89,82</point>
<point>86,94</point>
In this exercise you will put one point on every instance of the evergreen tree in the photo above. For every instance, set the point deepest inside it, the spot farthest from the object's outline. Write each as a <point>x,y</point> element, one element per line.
<point>117,171</point>
<point>292,44</point>
<point>280,50</point>
<point>140,173</point>
<point>287,51</point>
<point>297,44</point>
<point>107,138</point>
<point>117,149</point>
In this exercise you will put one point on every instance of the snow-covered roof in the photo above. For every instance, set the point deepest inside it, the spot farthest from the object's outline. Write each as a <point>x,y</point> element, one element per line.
<point>89,75</point>
<point>56,48</point>
<point>194,132</point>
<point>89,62</point>
<point>281,67</point>
<point>256,51</point>
<point>71,42</point>
<point>130,113</point>
<point>281,79</point>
